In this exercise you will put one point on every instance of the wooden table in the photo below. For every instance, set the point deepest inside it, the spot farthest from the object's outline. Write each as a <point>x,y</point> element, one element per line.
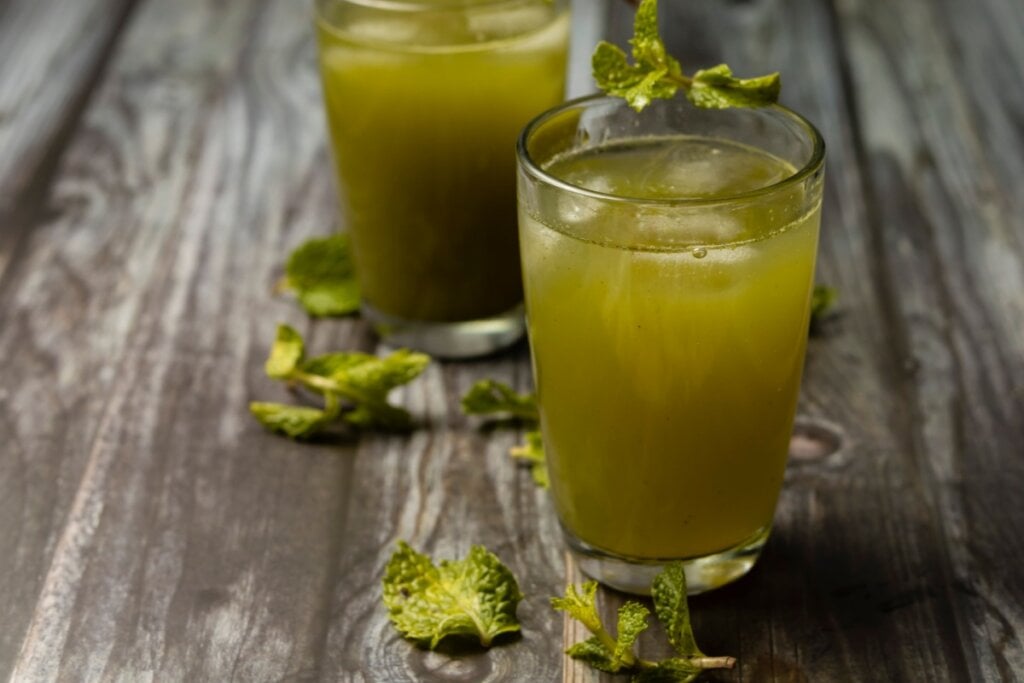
<point>158,160</point>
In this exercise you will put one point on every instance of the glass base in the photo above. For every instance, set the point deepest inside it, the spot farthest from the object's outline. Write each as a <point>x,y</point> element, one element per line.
<point>632,575</point>
<point>449,340</point>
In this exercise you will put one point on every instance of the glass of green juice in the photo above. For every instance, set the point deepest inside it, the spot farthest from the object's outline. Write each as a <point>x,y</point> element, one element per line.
<point>425,99</point>
<point>668,262</point>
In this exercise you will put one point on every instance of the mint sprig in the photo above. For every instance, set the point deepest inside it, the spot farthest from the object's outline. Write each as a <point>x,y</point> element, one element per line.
<point>655,74</point>
<point>616,654</point>
<point>354,386</point>
<point>490,397</point>
<point>475,597</point>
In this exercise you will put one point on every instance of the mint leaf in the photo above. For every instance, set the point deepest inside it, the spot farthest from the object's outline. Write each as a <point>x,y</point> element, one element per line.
<point>822,300</point>
<point>715,88</point>
<point>358,382</point>
<point>669,594</point>
<point>581,604</point>
<point>489,397</point>
<point>533,452</point>
<point>322,275</point>
<point>602,651</point>
<point>632,622</point>
<point>474,597</point>
<point>285,354</point>
<point>654,74</point>
<point>298,422</point>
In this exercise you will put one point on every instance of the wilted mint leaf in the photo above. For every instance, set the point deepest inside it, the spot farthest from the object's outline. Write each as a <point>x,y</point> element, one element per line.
<point>321,273</point>
<point>715,88</point>
<point>474,597</point>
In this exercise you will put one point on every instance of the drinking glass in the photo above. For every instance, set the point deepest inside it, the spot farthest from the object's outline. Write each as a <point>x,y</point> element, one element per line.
<point>424,101</point>
<point>668,260</point>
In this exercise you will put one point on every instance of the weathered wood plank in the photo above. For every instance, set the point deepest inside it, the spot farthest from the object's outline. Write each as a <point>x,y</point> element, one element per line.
<point>935,143</point>
<point>51,52</point>
<point>153,530</point>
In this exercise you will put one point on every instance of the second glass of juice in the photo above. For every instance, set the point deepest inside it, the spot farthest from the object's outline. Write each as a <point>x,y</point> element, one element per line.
<point>668,259</point>
<point>425,99</point>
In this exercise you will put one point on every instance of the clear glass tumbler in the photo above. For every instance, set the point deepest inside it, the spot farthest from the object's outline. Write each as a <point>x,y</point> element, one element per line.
<point>424,100</point>
<point>668,260</point>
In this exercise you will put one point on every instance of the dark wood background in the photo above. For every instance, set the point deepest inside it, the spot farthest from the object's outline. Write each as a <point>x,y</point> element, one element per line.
<point>159,159</point>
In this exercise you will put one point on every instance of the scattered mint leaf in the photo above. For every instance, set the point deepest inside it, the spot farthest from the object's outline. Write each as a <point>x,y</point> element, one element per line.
<point>355,387</point>
<point>581,604</point>
<point>602,651</point>
<point>285,354</point>
<point>715,88</point>
<point>668,591</point>
<point>474,597</point>
<point>822,300</point>
<point>616,655</point>
<point>654,74</point>
<point>533,452</point>
<point>298,422</point>
<point>489,397</point>
<point>321,273</point>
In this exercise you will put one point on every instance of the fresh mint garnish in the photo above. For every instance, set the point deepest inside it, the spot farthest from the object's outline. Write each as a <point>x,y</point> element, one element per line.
<point>490,397</point>
<point>655,74</point>
<point>616,654</point>
<point>823,299</point>
<point>354,386</point>
<point>475,597</point>
<point>532,452</point>
<point>321,273</point>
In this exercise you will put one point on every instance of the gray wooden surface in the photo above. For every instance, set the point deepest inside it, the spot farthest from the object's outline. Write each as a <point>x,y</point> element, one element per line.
<point>158,160</point>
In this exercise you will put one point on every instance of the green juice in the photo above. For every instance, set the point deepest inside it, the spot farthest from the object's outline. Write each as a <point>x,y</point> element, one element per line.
<point>668,376</point>
<point>423,109</point>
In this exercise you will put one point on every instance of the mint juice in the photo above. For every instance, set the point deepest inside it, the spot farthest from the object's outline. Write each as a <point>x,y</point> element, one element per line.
<point>668,280</point>
<point>424,105</point>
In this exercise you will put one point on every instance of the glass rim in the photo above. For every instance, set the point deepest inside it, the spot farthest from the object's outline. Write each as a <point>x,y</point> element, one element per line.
<point>813,164</point>
<point>422,5</point>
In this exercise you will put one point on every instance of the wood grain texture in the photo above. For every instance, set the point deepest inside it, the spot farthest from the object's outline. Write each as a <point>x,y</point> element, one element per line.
<point>149,530</point>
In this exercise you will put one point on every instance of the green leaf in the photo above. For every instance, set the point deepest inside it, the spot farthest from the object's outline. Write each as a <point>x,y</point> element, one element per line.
<point>716,88</point>
<point>488,397</point>
<point>378,376</point>
<point>655,74</point>
<point>298,422</point>
<point>593,653</point>
<point>603,651</point>
<point>632,622</point>
<point>822,300</point>
<point>321,273</point>
<point>669,671</point>
<point>533,452</point>
<point>285,354</point>
<point>581,604</point>
<point>669,594</point>
<point>474,597</point>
